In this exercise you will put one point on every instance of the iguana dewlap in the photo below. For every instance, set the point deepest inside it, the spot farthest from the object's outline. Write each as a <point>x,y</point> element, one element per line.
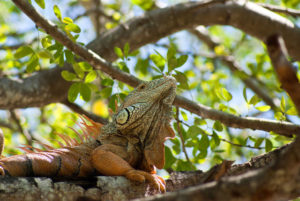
<point>131,145</point>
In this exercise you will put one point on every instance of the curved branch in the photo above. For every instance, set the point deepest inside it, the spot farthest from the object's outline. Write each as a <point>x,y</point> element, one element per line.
<point>95,60</point>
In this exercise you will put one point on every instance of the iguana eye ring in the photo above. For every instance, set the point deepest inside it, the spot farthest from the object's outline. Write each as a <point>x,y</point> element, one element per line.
<point>124,115</point>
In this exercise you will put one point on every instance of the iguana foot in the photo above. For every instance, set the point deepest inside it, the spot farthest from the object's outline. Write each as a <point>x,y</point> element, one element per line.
<point>156,181</point>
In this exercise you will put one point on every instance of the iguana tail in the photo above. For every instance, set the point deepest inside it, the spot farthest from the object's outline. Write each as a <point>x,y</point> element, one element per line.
<point>69,161</point>
<point>63,162</point>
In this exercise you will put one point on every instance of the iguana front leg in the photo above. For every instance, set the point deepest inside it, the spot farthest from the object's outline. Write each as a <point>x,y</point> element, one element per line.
<point>111,164</point>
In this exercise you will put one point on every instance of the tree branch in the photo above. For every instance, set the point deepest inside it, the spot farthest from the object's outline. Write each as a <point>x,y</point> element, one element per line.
<point>278,9</point>
<point>286,72</point>
<point>76,108</point>
<point>97,62</point>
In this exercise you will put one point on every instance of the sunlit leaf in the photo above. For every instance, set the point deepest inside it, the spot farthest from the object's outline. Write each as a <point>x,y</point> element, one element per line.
<point>73,28</point>
<point>254,100</point>
<point>119,52</point>
<point>282,104</point>
<point>57,12</point>
<point>90,77</point>
<point>41,3</point>
<point>23,51</point>
<point>158,60</point>
<point>69,76</point>
<point>67,20</point>
<point>263,108</point>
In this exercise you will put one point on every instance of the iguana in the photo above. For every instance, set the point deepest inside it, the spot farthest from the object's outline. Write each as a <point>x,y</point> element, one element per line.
<point>132,145</point>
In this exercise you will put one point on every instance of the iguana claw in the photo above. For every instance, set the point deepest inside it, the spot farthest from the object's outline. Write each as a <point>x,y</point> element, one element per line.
<point>156,181</point>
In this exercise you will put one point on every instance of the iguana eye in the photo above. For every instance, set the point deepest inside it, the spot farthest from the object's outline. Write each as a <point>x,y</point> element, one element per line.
<point>124,115</point>
<point>141,86</point>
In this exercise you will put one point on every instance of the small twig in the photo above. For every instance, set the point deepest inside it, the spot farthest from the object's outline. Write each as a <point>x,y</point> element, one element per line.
<point>181,136</point>
<point>22,130</point>
<point>95,10</point>
<point>224,140</point>
<point>78,109</point>
<point>278,9</point>
<point>6,125</point>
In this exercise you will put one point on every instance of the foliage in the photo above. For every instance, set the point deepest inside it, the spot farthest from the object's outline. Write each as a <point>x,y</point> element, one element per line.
<point>206,80</point>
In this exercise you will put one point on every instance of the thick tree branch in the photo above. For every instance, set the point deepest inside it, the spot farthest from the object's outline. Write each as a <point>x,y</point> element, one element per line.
<point>118,188</point>
<point>286,72</point>
<point>95,60</point>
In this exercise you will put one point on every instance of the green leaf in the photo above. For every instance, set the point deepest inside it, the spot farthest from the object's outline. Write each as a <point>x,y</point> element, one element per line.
<point>263,108</point>
<point>204,142</point>
<point>184,115</point>
<point>91,76</point>
<point>73,28</point>
<point>107,82</point>
<point>85,91</point>
<point>268,145</point>
<point>23,51</point>
<point>57,12</point>
<point>106,92</point>
<point>170,159</point>
<point>282,104</point>
<point>119,52</point>
<point>144,4</point>
<point>46,42</point>
<point>216,138</point>
<point>159,61</point>
<point>254,100</point>
<point>67,20</point>
<point>126,50</point>
<point>226,95</point>
<point>279,116</point>
<point>292,111</point>
<point>41,3</point>
<point>171,52</point>
<point>46,54</point>
<point>202,154</point>
<point>69,56</point>
<point>73,92</point>
<point>32,64</point>
<point>218,126</point>
<point>68,75</point>
<point>122,65</point>
<point>258,142</point>
<point>194,131</point>
<point>181,60</point>
<point>85,66</point>
<point>78,70</point>
<point>245,94</point>
<point>182,79</point>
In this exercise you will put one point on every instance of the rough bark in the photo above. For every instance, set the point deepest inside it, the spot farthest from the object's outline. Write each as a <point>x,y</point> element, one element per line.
<point>119,188</point>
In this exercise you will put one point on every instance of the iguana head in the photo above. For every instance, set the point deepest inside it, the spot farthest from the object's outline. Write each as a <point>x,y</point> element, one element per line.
<point>146,113</point>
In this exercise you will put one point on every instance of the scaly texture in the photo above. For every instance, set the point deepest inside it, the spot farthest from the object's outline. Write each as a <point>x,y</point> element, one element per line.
<point>131,145</point>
